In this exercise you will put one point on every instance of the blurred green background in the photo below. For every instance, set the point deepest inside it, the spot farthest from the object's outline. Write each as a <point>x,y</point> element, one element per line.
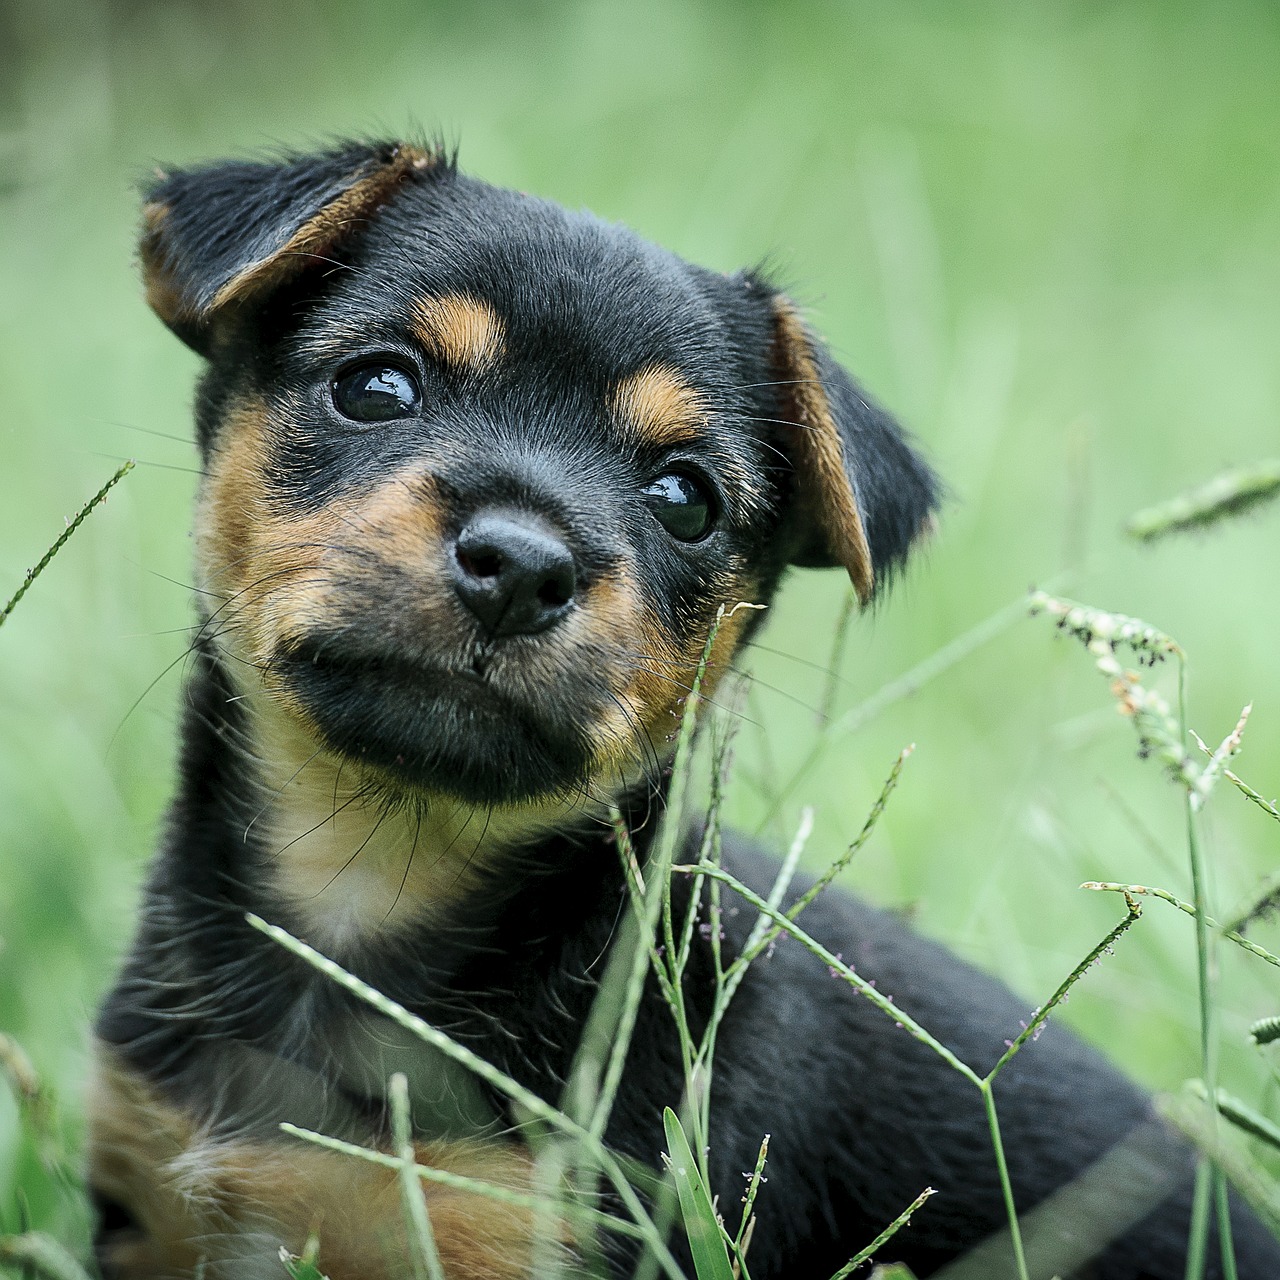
<point>1048,235</point>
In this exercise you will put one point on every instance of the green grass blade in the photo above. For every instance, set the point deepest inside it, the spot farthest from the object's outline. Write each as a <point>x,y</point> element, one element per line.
<point>1265,1031</point>
<point>911,681</point>
<point>1247,1120</point>
<point>37,1254</point>
<point>461,1182</point>
<point>1228,494</point>
<point>883,1238</point>
<point>706,1241</point>
<point>533,1106</point>
<point>1232,935</point>
<point>1190,1112</point>
<point>301,1268</point>
<point>425,1256</point>
<point>79,518</point>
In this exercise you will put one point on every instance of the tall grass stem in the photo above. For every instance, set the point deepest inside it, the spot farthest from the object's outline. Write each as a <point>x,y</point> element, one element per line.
<point>76,521</point>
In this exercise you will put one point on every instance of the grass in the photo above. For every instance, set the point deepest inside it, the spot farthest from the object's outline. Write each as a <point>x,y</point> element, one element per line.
<point>1045,234</point>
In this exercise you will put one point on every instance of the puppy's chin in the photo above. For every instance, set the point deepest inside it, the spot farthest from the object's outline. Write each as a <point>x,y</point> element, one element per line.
<point>433,729</point>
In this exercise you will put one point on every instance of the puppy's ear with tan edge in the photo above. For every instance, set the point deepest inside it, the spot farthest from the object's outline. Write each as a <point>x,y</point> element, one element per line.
<point>219,237</point>
<point>862,495</point>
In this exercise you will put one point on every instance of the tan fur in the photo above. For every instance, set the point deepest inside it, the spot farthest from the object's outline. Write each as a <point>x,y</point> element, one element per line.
<point>163,296</point>
<point>465,333</point>
<point>659,407</point>
<point>342,859</point>
<point>270,571</point>
<point>232,1203</point>
<point>657,675</point>
<point>663,686</point>
<point>134,1139</point>
<point>348,865</point>
<point>817,452</point>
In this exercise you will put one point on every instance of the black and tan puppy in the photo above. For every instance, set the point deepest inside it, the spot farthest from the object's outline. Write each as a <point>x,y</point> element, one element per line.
<point>478,473</point>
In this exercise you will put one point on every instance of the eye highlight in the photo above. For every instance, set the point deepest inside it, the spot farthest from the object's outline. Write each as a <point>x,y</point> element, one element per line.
<point>682,504</point>
<point>376,392</point>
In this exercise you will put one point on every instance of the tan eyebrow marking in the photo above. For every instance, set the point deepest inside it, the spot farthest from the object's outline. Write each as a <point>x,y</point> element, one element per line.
<point>463,332</point>
<point>660,406</point>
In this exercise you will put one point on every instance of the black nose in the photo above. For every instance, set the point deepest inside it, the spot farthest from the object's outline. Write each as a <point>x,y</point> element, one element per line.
<point>513,572</point>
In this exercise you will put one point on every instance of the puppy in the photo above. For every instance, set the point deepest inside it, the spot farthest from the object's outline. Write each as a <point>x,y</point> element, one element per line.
<point>477,474</point>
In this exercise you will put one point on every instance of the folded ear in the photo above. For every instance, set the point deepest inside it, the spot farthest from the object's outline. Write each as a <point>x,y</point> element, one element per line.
<point>222,235</point>
<point>862,495</point>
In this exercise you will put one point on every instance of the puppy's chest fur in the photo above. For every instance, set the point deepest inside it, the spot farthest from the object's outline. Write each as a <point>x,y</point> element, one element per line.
<point>354,869</point>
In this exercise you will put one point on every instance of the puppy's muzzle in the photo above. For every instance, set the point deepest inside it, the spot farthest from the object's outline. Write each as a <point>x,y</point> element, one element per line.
<point>513,572</point>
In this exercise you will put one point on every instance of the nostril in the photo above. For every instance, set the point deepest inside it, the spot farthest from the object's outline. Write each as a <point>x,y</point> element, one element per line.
<point>113,1217</point>
<point>481,564</point>
<point>556,591</point>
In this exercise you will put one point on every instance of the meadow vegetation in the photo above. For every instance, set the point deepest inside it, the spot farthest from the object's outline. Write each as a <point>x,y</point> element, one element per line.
<point>1046,235</point>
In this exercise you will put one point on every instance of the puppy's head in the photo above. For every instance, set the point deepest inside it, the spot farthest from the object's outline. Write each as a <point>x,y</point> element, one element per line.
<point>478,471</point>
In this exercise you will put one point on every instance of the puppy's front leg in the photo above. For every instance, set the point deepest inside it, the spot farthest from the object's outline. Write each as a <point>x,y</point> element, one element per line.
<point>178,1200</point>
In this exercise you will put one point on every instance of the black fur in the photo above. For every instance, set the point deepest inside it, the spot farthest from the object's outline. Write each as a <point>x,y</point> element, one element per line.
<point>862,1116</point>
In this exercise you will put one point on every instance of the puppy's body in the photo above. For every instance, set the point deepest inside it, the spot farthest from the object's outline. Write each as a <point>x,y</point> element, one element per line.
<point>478,475</point>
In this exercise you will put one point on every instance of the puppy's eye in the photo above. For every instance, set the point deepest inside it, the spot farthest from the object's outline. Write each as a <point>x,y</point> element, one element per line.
<point>376,393</point>
<point>682,504</point>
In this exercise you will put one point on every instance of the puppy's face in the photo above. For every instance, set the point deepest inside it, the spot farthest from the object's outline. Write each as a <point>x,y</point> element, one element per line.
<point>479,472</point>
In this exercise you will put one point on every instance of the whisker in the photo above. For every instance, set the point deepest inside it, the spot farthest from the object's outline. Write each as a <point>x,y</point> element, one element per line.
<point>280,790</point>
<point>350,800</point>
<point>413,849</point>
<point>822,668</point>
<point>144,462</point>
<point>373,831</point>
<point>781,422</point>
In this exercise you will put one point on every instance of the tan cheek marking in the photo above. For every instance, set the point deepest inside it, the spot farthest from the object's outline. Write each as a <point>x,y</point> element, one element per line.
<point>465,333</point>
<point>608,627</point>
<point>273,573</point>
<point>659,406</point>
<point>265,568</point>
<point>818,454</point>
<point>403,518</point>
<point>232,518</point>
<point>231,503</point>
<point>659,693</point>
<point>655,671</point>
<point>199,1198</point>
<point>398,527</point>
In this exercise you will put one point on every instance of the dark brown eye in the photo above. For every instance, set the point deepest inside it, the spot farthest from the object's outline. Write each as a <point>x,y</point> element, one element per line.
<point>682,504</point>
<point>376,393</point>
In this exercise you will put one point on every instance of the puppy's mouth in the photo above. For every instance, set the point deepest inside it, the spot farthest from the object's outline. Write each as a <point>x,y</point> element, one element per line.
<point>453,730</point>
